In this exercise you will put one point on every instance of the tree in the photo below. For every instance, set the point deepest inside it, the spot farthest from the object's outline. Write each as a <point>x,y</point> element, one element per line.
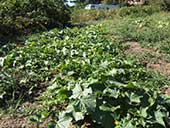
<point>22,16</point>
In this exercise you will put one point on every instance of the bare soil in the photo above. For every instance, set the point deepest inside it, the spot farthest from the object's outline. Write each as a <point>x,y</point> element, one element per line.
<point>21,121</point>
<point>15,122</point>
<point>160,66</point>
<point>165,91</point>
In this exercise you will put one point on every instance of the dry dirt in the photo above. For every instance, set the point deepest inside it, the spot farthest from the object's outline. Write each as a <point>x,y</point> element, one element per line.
<point>21,121</point>
<point>15,122</point>
<point>165,91</point>
<point>160,66</point>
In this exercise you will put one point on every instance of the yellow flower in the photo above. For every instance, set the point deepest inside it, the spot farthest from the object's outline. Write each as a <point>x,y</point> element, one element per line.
<point>117,123</point>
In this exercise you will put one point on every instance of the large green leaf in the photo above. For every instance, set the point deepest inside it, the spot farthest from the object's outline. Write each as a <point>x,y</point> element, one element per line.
<point>78,116</point>
<point>64,122</point>
<point>134,98</point>
<point>129,125</point>
<point>159,117</point>
<point>126,124</point>
<point>86,104</point>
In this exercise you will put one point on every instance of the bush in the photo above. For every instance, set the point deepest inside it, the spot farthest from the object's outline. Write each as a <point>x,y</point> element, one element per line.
<point>18,16</point>
<point>137,11</point>
<point>164,4</point>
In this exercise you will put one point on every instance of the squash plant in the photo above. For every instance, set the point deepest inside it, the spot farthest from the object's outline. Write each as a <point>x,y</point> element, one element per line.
<point>87,76</point>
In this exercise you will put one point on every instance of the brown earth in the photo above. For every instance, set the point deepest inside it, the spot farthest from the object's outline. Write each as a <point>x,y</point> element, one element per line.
<point>21,121</point>
<point>165,91</point>
<point>160,66</point>
<point>15,122</point>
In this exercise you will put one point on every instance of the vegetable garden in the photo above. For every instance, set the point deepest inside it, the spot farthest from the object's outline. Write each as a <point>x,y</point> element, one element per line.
<point>80,77</point>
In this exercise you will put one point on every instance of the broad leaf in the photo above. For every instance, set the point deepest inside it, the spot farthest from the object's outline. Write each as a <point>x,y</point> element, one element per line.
<point>64,122</point>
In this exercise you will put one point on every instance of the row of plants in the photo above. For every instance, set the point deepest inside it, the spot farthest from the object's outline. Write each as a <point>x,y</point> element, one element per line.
<point>87,76</point>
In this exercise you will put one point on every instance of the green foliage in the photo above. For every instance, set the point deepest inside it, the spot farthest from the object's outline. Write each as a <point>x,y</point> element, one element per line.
<point>164,4</point>
<point>152,31</point>
<point>93,79</point>
<point>87,76</point>
<point>137,11</point>
<point>23,16</point>
<point>23,68</point>
<point>79,16</point>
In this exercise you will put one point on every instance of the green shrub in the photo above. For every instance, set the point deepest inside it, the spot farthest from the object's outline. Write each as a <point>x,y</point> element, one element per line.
<point>164,4</point>
<point>136,11</point>
<point>107,1</point>
<point>23,16</point>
